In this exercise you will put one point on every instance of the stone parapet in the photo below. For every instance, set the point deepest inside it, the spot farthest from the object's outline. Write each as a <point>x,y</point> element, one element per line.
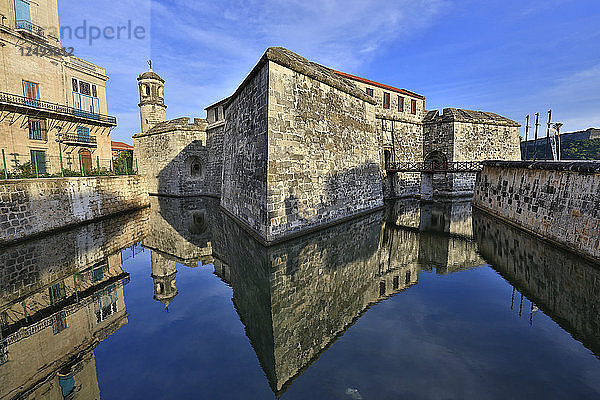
<point>557,201</point>
<point>30,207</point>
<point>590,167</point>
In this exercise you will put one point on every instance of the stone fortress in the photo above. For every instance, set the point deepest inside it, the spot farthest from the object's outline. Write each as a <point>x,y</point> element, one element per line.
<point>299,146</point>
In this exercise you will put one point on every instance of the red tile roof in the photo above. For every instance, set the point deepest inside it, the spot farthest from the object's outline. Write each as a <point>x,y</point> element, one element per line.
<point>381,85</point>
<point>120,146</point>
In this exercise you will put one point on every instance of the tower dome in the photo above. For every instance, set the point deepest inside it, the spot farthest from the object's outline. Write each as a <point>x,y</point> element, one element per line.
<point>152,99</point>
<point>164,273</point>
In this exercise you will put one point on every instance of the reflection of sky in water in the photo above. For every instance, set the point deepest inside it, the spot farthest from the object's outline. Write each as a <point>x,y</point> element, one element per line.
<point>449,336</point>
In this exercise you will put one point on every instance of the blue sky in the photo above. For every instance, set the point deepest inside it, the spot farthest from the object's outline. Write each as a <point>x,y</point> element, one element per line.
<point>509,57</point>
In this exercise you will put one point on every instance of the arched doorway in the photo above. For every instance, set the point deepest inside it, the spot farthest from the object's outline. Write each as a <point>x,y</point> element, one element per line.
<point>436,161</point>
<point>86,160</point>
<point>387,157</point>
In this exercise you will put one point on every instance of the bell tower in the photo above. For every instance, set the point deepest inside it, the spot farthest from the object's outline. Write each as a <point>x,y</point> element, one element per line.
<point>164,274</point>
<point>152,99</point>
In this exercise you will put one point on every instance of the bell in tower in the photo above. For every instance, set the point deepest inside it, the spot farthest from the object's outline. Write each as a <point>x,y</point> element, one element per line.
<point>152,99</point>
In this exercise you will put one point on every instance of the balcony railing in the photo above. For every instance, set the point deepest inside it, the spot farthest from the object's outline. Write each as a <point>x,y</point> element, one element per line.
<point>13,100</point>
<point>82,140</point>
<point>24,25</point>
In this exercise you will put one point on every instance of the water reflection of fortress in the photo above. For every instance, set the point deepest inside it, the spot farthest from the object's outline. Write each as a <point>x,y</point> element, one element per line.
<point>60,297</point>
<point>58,302</point>
<point>297,297</point>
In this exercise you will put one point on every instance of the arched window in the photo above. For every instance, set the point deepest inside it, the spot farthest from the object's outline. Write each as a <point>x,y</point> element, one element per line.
<point>195,169</point>
<point>198,224</point>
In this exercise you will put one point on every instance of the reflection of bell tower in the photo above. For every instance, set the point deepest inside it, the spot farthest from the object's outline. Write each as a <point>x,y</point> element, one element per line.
<point>164,272</point>
<point>152,99</point>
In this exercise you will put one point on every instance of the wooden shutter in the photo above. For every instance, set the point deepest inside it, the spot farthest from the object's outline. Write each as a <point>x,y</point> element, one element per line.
<point>386,100</point>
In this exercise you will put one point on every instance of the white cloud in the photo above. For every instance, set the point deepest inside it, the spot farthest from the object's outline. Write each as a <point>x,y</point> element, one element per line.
<point>205,49</point>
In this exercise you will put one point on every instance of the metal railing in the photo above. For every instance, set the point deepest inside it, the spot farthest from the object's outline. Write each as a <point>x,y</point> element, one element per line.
<point>433,167</point>
<point>22,24</point>
<point>35,104</point>
<point>72,160</point>
<point>73,138</point>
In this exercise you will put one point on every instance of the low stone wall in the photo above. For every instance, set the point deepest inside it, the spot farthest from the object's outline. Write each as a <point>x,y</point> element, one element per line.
<point>555,200</point>
<point>33,206</point>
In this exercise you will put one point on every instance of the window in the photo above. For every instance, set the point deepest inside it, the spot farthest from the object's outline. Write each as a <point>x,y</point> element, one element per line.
<point>195,169</point>
<point>400,103</point>
<point>31,91</point>
<point>386,100</point>
<point>97,274</point>
<point>83,134</point>
<point>413,106</point>
<point>3,320</point>
<point>59,322</point>
<point>85,88</point>
<point>105,303</point>
<point>38,158</point>
<point>407,278</point>
<point>85,96</point>
<point>37,129</point>
<point>22,11</point>
<point>370,91</point>
<point>67,384</point>
<point>216,114</point>
<point>396,282</point>
<point>56,292</point>
<point>382,288</point>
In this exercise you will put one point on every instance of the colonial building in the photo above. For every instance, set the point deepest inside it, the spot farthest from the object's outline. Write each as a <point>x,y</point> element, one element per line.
<point>299,145</point>
<point>52,104</point>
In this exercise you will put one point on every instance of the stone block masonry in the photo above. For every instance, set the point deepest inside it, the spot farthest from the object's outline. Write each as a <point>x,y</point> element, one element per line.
<point>181,157</point>
<point>555,200</point>
<point>300,148</point>
<point>31,207</point>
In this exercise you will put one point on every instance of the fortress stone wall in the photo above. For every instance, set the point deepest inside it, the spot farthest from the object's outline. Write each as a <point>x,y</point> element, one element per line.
<point>320,169</point>
<point>181,158</point>
<point>555,200</point>
<point>299,145</point>
<point>245,152</point>
<point>35,206</point>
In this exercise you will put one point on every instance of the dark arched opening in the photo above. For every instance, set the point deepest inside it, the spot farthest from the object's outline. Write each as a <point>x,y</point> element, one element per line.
<point>436,161</point>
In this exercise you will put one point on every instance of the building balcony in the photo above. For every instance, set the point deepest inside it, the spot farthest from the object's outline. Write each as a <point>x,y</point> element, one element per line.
<point>74,139</point>
<point>43,109</point>
<point>30,28</point>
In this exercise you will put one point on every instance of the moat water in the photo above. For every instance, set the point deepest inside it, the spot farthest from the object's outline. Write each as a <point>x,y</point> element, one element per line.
<point>420,301</point>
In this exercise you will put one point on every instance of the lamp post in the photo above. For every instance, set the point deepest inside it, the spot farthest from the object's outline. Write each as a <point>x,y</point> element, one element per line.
<point>557,126</point>
<point>59,141</point>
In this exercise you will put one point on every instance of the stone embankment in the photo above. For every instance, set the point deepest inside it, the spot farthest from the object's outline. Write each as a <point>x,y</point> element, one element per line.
<point>29,207</point>
<point>557,201</point>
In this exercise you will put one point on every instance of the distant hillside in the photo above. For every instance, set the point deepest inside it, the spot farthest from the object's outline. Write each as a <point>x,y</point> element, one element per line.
<point>588,149</point>
<point>581,145</point>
